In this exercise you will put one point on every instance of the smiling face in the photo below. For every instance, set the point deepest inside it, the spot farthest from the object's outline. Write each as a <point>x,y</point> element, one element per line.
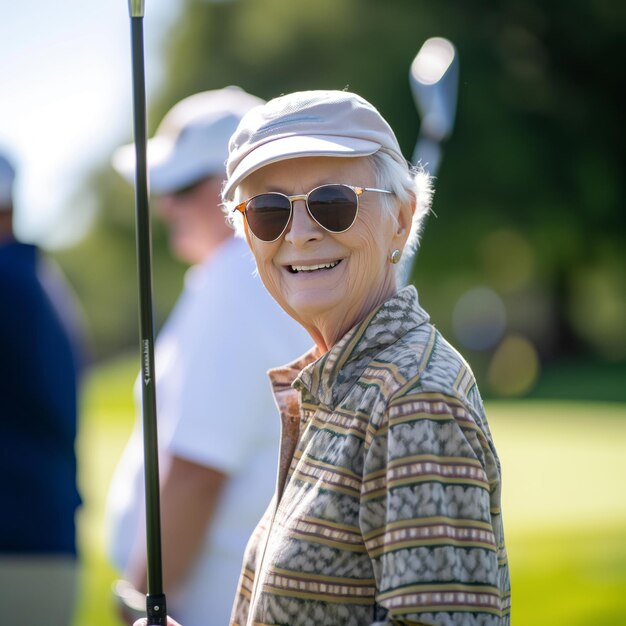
<point>328,282</point>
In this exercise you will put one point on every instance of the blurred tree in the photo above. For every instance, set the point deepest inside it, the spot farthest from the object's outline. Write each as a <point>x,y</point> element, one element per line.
<point>535,157</point>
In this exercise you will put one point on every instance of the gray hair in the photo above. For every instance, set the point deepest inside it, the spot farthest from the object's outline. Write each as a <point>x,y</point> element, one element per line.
<point>407,183</point>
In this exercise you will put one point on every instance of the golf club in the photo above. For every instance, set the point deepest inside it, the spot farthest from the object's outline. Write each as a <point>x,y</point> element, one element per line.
<point>155,599</point>
<point>434,79</point>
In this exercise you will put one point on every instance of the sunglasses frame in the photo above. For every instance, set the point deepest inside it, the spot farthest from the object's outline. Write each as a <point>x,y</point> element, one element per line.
<point>358,192</point>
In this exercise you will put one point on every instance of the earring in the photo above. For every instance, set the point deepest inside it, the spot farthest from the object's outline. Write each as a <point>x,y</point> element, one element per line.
<point>395,256</point>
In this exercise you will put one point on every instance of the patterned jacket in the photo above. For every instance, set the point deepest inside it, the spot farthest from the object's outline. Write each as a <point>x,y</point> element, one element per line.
<point>388,488</point>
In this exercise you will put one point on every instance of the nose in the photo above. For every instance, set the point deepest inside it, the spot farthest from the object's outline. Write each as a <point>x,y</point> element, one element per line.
<point>302,228</point>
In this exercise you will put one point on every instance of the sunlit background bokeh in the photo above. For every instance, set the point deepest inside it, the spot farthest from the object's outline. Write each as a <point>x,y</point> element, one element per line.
<point>523,267</point>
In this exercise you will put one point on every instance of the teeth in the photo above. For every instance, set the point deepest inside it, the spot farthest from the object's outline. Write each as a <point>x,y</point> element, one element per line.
<point>312,268</point>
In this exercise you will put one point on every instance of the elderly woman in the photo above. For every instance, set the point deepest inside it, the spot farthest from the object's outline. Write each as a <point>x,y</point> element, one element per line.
<point>387,507</point>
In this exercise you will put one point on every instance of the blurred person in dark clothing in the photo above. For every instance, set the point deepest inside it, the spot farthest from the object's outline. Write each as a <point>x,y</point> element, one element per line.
<point>38,423</point>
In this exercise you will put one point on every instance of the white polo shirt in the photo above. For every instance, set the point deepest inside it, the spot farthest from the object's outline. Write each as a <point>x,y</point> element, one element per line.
<point>214,407</point>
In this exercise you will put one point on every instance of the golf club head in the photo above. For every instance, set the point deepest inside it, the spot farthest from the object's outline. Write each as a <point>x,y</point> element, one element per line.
<point>434,77</point>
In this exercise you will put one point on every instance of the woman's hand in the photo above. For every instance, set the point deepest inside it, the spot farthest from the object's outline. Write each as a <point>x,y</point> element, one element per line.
<point>144,622</point>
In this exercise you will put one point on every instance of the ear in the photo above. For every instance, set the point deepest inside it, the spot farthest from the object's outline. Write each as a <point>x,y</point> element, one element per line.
<point>404,217</point>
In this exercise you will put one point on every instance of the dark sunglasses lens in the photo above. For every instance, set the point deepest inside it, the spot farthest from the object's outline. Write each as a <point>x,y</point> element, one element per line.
<point>334,207</point>
<point>267,215</point>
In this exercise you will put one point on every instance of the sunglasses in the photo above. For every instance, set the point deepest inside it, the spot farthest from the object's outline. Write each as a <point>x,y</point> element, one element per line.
<point>333,207</point>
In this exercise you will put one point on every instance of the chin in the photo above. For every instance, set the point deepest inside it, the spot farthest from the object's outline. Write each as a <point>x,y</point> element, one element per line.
<point>311,304</point>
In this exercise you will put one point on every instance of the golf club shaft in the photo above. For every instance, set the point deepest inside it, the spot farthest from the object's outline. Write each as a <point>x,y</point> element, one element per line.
<point>156,610</point>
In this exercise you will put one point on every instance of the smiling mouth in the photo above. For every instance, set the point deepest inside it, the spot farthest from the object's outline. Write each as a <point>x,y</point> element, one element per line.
<point>296,269</point>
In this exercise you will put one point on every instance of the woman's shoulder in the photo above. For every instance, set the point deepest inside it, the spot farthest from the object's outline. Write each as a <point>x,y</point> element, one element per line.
<point>430,364</point>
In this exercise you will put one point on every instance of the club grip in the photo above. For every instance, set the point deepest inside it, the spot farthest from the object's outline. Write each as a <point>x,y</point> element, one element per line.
<point>135,8</point>
<point>156,610</point>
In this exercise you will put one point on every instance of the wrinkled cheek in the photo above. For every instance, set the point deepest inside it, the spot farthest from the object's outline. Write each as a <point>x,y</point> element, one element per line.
<point>272,281</point>
<point>267,270</point>
<point>369,261</point>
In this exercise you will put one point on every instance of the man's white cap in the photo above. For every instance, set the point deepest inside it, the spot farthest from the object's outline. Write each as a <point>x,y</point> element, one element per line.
<point>192,140</point>
<point>307,123</point>
<point>7,178</point>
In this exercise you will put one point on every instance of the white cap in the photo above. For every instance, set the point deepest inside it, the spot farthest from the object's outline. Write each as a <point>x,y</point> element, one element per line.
<point>307,123</point>
<point>192,140</point>
<point>7,178</point>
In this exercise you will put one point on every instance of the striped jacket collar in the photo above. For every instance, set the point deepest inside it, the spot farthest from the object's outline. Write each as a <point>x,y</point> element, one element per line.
<point>329,378</point>
<point>326,379</point>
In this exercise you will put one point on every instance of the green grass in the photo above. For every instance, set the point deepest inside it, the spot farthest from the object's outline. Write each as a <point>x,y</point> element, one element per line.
<point>564,465</point>
<point>564,509</point>
<point>107,420</point>
<point>575,577</point>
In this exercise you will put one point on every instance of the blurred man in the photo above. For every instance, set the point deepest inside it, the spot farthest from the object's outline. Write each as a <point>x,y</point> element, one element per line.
<point>218,446</point>
<point>38,421</point>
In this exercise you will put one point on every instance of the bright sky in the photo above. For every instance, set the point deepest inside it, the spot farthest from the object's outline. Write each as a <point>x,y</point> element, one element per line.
<point>65,100</point>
